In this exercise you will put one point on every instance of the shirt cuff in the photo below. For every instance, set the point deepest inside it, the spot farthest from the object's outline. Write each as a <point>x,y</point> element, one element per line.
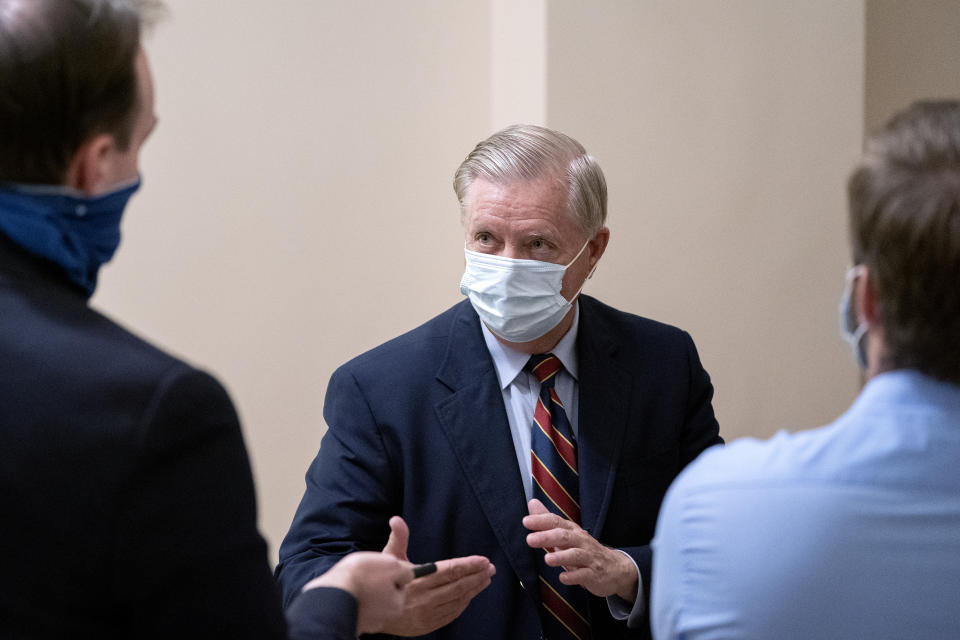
<point>621,609</point>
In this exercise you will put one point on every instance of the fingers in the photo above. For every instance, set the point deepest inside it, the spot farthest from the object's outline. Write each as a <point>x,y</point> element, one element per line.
<point>427,617</point>
<point>454,597</point>
<point>600,570</point>
<point>568,558</point>
<point>404,574</point>
<point>447,612</point>
<point>535,507</point>
<point>559,538</point>
<point>425,569</point>
<point>399,537</point>
<point>602,581</point>
<point>435,600</point>
<point>461,590</point>
<point>582,576</point>
<point>456,569</point>
<point>459,579</point>
<point>540,519</point>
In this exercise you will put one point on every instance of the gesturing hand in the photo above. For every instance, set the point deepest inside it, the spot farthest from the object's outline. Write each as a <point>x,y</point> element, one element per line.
<point>437,599</point>
<point>376,580</point>
<point>599,569</point>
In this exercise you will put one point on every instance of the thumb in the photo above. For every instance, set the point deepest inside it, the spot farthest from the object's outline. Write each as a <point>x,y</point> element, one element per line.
<point>399,537</point>
<point>536,507</point>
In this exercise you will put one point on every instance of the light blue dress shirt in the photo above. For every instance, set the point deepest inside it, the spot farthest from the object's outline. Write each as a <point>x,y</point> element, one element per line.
<point>520,392</point>
<point>847,531</point>
<point>521,389</point>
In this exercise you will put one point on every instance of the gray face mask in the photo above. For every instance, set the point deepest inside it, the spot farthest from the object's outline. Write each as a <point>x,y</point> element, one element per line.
<point>852,332</point>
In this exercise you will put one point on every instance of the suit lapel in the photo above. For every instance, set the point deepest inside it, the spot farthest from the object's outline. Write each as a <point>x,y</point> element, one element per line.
<point>604,408</point>
<point>475,422</point>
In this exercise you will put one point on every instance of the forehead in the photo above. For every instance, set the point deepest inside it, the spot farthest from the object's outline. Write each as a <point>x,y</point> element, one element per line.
<point>543,199</point>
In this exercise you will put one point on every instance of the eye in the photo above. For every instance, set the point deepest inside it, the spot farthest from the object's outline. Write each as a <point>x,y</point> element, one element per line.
<point>483,237</point>
<point>540,245</point>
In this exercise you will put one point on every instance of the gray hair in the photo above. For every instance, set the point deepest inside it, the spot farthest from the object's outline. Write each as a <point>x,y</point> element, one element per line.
<point>529,152</point>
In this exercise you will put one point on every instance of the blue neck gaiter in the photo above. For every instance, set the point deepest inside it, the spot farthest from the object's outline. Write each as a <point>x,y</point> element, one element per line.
<point>78,232</point>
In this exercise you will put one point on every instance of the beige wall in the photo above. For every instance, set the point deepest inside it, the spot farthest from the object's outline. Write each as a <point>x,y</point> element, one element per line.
<point>297,208</point>
<point>726,130</point>
<point>912,52</point>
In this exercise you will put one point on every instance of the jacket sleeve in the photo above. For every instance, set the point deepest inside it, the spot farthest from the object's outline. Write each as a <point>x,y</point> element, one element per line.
<point>323,613</point>
<point>189,560</point>
<point>350,491</point>
<point>700,428</point>
<point>699,432</point>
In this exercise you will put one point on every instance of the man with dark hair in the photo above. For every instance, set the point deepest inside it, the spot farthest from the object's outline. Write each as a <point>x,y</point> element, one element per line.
<point>126,493</point>
<point>851,530</point>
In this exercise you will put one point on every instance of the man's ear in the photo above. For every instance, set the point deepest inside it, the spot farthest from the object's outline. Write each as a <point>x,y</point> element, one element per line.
<point>90,166</point>
<point>866,304</point>
<point>598,244</point>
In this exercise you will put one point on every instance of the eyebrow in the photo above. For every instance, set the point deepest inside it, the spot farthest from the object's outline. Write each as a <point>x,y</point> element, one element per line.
<point>545,237</point>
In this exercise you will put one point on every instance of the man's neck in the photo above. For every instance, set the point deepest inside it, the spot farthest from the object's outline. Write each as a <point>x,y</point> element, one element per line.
<point>877,360</point>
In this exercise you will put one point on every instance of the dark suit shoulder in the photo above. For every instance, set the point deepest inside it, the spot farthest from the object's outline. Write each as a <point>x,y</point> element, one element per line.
<point>411,350</point>
<point>628,330</point>
<point>72,370</point>
<point>107,344</point>
<point>46,320</point>
<point>128,473</point>
<point>55,324</point>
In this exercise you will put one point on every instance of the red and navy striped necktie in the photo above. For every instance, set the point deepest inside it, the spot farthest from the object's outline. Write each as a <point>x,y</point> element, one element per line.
<point>553,460</point>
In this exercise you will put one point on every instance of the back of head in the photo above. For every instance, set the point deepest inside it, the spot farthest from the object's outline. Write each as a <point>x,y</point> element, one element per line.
<point>66,74</point>
<point>905,227</point>
<point>529,152</point>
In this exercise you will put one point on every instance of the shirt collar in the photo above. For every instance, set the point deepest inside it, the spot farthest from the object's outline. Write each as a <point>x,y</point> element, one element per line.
<point>510,362</point>
<point>903,387</point>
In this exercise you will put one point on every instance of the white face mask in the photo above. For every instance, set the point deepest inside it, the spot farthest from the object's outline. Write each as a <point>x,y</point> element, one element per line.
<point>518,300</point>
<point>854,335</point>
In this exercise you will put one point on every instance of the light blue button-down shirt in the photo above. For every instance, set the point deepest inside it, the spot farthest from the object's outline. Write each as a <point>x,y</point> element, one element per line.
<point>521,389</point>
<point>520,392</point>
<point>847,531</point>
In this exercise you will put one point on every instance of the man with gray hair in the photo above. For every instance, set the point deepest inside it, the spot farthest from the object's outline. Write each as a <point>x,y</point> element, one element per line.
<point>125,491</point>
<point>528,425</point>
<point>851,530</point>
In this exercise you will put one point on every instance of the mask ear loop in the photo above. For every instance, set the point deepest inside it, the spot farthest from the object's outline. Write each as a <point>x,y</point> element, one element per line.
<point>589,275</point>
<point>855,337</point>
<point>851,280</point>
<point>579,253</point>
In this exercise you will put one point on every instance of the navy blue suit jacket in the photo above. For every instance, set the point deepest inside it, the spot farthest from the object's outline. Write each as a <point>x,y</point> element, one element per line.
<point>126,496</point>
<point>417,427</point>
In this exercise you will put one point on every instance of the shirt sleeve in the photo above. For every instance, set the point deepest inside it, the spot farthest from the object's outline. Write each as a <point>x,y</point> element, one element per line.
<point>634,612</point>
<point>666,597</point>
